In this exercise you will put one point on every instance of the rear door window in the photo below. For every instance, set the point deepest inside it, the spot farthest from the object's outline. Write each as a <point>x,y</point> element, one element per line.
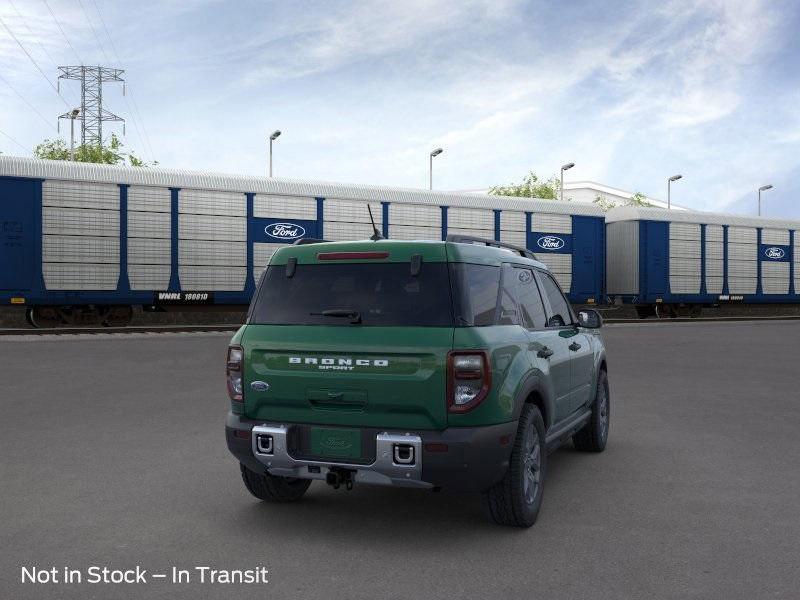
<point>384,294</point>
<point>560,313</point>
<point>530,300</point>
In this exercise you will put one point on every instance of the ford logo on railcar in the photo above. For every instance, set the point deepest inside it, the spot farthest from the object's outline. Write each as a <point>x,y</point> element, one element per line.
<point>285,231</point>
<point>774,253</point>
<point>550,242</point>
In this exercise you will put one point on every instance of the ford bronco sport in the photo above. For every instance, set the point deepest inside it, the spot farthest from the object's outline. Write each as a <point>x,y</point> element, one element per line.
<point>455,364</point>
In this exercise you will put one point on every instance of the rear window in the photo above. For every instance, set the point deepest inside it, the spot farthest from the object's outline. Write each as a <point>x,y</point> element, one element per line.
<point>384,294</point>
<point>476,289</point>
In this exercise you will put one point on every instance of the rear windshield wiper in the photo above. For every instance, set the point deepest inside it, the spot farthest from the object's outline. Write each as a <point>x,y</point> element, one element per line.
<point>343,313</point>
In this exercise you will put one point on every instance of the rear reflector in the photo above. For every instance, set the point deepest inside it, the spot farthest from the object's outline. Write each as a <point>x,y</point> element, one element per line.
<point>243,434</point>
<point>351,255</point>
<point>17,300</point>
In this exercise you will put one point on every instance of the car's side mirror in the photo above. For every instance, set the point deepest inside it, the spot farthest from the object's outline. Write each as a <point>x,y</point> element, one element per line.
<point>590,319</point>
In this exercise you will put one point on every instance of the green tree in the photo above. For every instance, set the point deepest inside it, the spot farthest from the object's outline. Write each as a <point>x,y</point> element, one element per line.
<point>530,187</point>
<point>606,203</point>
<point>110,154</point>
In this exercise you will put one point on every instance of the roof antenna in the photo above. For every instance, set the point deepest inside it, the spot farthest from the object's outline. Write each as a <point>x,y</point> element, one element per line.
<point>376,234</point>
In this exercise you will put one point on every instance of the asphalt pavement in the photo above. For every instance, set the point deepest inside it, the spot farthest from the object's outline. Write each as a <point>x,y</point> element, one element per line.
<point>113,454</point>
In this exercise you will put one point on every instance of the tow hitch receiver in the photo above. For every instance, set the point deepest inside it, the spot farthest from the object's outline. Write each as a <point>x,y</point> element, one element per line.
<point>338,476</point>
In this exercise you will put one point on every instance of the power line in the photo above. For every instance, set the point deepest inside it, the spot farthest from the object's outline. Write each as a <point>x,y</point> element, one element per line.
<point>134,113</point>
<point>66,39</point>
<point>33,36</point>
<point>35,64</point>
<point>96,37</point>
<point>32,107</point>
<point>15,141</point>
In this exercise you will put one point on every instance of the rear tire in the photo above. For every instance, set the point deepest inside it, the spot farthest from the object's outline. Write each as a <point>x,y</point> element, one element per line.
<point>273,489</point>
<point>516,499</point>
<point>594,435</point>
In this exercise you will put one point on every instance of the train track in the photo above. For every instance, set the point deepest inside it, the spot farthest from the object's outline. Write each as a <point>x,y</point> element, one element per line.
<point>231,328</point>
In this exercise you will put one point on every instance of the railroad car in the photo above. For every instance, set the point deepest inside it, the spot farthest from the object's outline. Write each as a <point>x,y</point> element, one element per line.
<point>672,263</point>
<point>85,243</point>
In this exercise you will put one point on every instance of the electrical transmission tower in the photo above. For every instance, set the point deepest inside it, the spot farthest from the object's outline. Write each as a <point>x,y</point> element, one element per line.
<point>92,114</point>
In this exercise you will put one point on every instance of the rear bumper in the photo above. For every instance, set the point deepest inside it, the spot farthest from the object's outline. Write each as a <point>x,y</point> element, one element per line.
<point>458,458</point>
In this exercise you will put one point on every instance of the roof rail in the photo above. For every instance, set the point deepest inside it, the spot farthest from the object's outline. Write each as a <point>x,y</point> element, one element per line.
<point>470,239</point>
<point>304,241</point>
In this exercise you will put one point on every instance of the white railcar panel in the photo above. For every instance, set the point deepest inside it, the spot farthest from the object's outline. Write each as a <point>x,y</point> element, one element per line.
<point>775,277</point>
<point>481,233</point>
<point>77,221</point>
<point>715,233</point>
<point>684,248</point>
<point>518,238</point>
<point>285,207</point>
<point>149,225</point>
<point>684,231</point>
<point>339,232</point>
<point>743,252</point>
<point>715,267</point>
<point>742,235</point>
<point>262,253</point>
<point>411,232</point>
<point>80,276</point>
<point>560,265</point>
<point>209,227</point>
<point>684,284</point>
<point>207,202</point>
<point>742,285</point>
<point>207,278</point>
<point>74,248</point>
<point>775,236</point>
<point>512,220</point>
<point>80,194</point>
<point>203,252</point>
<point>470,218</point>
<point>415,214</point>
<point>551,223</point>
<point>149,199</point>
<point>149,277</point>
<point>148,251</point>
<point>742,268</point>
<point>714,285</point>
<point>351,211</point>
<point>715,250</point>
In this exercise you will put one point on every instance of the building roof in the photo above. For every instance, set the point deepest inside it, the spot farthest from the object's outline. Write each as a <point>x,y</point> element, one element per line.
<point>156,176</point>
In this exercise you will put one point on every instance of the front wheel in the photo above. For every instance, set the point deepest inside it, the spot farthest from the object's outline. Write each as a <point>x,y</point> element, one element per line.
<point>273,489</point>
<point>594,435</point>
<point>516,499</point>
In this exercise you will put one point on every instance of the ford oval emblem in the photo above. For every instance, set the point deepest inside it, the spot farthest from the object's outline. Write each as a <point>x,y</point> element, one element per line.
<point>285,231</point>
<point>550,242</point>
<point>774,253</point>
<point>259,386</point>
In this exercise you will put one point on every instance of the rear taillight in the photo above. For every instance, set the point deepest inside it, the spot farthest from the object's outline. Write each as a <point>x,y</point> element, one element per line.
<point>469,378</point>
<point>233,371</point>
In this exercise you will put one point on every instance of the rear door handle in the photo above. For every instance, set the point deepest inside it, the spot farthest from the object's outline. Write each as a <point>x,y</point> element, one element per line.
<point>574,346</point>
<point>545,353</point>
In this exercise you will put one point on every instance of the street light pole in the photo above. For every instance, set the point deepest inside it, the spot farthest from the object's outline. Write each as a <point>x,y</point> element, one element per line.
<point>565,167</point>
<point>669,182</point>
<point>435,152</point>
<point>763,188</point>
<point>272,138</point>
<point>72,115</point>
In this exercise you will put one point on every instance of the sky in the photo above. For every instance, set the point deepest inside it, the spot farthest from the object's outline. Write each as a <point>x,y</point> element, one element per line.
<point>631,92</point>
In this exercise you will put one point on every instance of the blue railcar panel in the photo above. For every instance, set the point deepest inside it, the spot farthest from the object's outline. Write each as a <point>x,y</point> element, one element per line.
<point>654,256</point>
<point>560,243</point>
<point>587,245</point>
<point>18,233</point>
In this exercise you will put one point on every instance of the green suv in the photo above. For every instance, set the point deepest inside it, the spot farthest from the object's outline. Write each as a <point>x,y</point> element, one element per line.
<point>455,364</point>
